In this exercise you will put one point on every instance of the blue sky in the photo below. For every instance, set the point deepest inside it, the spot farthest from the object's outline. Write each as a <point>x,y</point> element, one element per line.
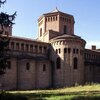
<point>85,12</point>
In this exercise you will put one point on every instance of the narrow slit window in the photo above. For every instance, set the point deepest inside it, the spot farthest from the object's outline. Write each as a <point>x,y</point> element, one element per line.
<point>65,50</point>
<point>40,32</point>
<point>75,63</point>
<point>58,63</point>
<point>28,66</point>
<point>44,67</point>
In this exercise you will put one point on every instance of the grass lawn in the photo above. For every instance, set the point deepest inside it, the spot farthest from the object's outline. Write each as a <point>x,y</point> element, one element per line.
<point>87,92</point>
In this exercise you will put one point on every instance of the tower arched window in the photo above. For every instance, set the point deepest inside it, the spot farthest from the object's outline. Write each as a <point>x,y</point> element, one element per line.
<point>58,63</point>
<point>40,31</point>
<point>53,18</point>
<point>56,17</point>
<point>65,29</point>
<point>75,63</point>
<point>48,19</point>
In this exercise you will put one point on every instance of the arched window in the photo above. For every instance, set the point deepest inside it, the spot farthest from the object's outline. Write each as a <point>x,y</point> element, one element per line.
<point>45,50</point>
<point>65,29</point>
<point>65,50</point>
<point>77,51</point>
<point>22,47</point>
<point>17,46</point>
<point>44,67</point>
<point>53,18</point>
<point>74,50</point>
<point>27,47</point>
<point>69,50</point>
<point>40,49</point>
<point>56,17</point>
<point>40,31</point>
<point>75,63</point>
<point>48,19</point>
<point>36,49</point>
<point>31,48</point>
<point>27,65</point>
<point>59,50</point>
<point>58,63</point>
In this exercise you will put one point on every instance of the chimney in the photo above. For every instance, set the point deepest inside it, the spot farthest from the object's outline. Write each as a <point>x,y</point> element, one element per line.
<point>93,47</point>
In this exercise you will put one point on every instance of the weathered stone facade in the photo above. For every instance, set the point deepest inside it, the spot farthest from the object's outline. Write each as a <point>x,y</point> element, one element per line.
<point>58,58</point>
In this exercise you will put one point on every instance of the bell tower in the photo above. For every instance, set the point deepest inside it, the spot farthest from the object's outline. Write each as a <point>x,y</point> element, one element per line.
<point>56,21</point>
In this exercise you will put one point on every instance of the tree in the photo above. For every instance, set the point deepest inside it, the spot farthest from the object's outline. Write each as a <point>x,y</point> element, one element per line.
<point>6,20</point>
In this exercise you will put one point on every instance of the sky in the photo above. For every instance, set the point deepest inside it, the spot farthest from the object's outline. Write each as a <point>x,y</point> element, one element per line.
<point>85,12</point>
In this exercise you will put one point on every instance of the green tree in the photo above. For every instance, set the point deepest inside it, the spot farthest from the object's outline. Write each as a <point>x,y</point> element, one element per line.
<point>6,20</point>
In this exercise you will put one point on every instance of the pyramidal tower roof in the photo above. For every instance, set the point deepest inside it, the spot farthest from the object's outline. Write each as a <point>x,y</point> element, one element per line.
<point>55,10</point>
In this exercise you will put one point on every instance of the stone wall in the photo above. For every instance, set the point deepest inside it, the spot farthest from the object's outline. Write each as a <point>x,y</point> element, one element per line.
<point>67,75</point>
<point>43,74</point>
<point>26,74</point>
<point>9,79</point>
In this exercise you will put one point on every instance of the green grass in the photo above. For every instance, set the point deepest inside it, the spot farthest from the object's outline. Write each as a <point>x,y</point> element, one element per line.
<point>87,92</point>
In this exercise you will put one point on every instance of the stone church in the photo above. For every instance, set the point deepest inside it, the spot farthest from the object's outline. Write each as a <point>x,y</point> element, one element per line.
<point>58,57</point>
